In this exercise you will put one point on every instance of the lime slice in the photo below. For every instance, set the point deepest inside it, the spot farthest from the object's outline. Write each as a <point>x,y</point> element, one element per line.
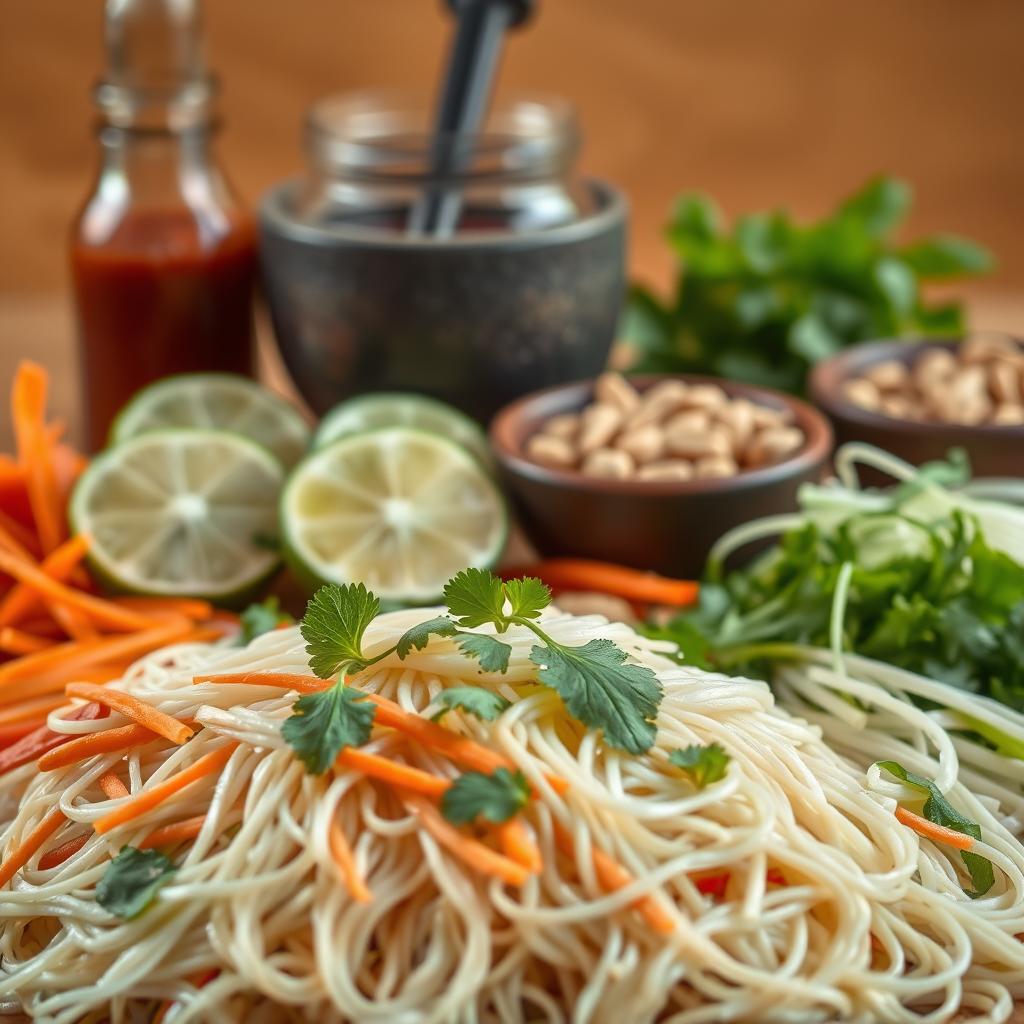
<point>216,401</point>
<point>181,512</point>
<point>398,509</point>
<point>400,409</point>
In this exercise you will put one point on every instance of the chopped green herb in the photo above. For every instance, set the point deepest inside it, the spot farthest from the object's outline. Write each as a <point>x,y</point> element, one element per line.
<point>939,810</point>
<point>496,797</point>
<point>476,597</point>
<point>419,636</point>
<point>132,880</point>
<point>703,764</point>
<point>259,618</point>
<point>324,723</point>
<point>333,626</point>
<point>474,700</point>
<point>492,654</point>
<point>528,596</point>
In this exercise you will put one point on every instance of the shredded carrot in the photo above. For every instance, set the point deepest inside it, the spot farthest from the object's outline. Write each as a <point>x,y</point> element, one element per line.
<point>198,611</point>
<point>929,830</point>
<point>346,862</point>
<point>18,857</point>
<point>632,584</point>
<point>465,752</point>
<point>137,710</point>
<point>402,775</point>
<point>38,742</point>
<point>613,876</point>
<point>113,787</point>
<point>173,834</point>
<point>472,852</point>
<point>15,731</point>
<point>18,642</point>
<point>198,980</point>
<point>20,534</point>
<point>11,544</point>
<point>30,710</point>
<point>712,885</point>
<point>54,858</point>
<point>102,613</point>
<point>108,741</point>
<point>35,453</point>
<point>58,565</point>
<point>147,799</point>
<point>517,844</point>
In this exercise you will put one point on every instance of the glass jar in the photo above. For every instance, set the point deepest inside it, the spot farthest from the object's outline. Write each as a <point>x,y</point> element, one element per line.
<point>163,255</point>
<point>370,163</point>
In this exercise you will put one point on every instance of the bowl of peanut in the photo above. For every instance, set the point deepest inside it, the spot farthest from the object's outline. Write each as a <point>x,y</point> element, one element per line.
<point>919,399</point>
<point>650,471</point>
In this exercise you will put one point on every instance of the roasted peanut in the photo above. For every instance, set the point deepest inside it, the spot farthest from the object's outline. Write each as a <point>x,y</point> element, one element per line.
<point>666,470</point>
<point>715,466</point>
<point>659,402</point>
<point>566,425</point>
<point>644,444</point>
<point>862,393</point>
<point>935,364</point>
<point>692,419</point>
<point>614,389</point>
<point>689,444</point>
<point>983,348</point>
<point>773,445</point>
<point>1004,381</point>
<point>608,462</point>
<point>705,396</point>
<point>599,424</point>
<point>738,419</point>
<point>1007,415</point>
<point>549,450</point>
<point>764,416</point>
<point>888,375</point>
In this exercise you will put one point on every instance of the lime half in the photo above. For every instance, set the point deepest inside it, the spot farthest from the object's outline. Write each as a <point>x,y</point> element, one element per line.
<point>398,509</point>
<point>401,409</point>
<point>181,512</point>
<point>216,401</point>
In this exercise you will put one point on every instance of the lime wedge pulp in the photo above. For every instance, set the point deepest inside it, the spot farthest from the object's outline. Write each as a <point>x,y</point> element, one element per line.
<point>401,409</point>
<point>398,509</point>
<point>181,512</point>
<point>216,401</point>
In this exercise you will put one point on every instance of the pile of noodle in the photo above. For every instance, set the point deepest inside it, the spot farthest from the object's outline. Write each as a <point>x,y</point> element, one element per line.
<point>872,923</point>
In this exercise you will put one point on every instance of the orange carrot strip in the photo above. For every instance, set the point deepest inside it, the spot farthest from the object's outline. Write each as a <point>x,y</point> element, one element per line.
<point>15,731</point>
<point>613,876</point>
<point>58,565</point>
<point>632,584</point>
<point>401,775</point>
<point>150,798</point>
<point>113,788</point>
<point>137,710</point>
<point>30,710</point>
<point>198,611</point>
<point>63,663</point>
<point>479,857</point>
<point>346,863</point>
<point>17,858</point>
<point>103,613</point>
<point>20,534</point>
<point>198,980</point>
<point>108,741</point>
<point>175,833</point>
<point>54,858</point>
<point>462,750</point>
<point>518,845</point>
<point>11,544</point>
<point>35,453</point>
<point>16,641</point>
<point>929,830</point>
<point>38,742</point>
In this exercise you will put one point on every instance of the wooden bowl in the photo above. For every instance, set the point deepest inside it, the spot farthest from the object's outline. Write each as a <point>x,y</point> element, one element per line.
<point>665,526</point>
<point>992,450</point>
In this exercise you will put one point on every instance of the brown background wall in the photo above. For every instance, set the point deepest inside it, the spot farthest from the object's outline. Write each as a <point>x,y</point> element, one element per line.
<point>786,102</point>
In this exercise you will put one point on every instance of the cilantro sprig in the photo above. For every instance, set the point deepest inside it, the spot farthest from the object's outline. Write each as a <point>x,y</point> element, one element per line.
<point>132,880</point>
<point>496,797</point>
<point>474,700</point>
<point>259,618</point>
<point>703,765</point>
<point>939,810</point>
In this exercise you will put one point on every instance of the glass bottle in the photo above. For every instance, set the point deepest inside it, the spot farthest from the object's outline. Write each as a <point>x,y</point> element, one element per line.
<point>163,255</point>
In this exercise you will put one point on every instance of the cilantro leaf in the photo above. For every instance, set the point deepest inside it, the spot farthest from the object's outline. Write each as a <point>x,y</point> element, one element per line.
<point>492,654</point>
<point>419,636</point>
<point>496,797</point>
<point>475,700</point>
<point>602,691</point>
<point>132,880</point>
<point>528,596</point>
<point>475,597</point>
<point>703,764</point>
<point>333,626</point>
<point>939,810</point>
<point>259,618</point>
<point>323,724</point>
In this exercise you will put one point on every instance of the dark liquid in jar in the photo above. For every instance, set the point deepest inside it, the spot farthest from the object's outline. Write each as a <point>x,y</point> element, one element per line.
<point>159,298</point>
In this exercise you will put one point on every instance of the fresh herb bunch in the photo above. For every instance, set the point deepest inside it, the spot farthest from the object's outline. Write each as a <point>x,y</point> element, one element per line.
<point>768,300</point>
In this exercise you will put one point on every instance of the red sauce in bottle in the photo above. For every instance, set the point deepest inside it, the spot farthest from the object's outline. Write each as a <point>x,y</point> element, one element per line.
<point>156,299</point>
